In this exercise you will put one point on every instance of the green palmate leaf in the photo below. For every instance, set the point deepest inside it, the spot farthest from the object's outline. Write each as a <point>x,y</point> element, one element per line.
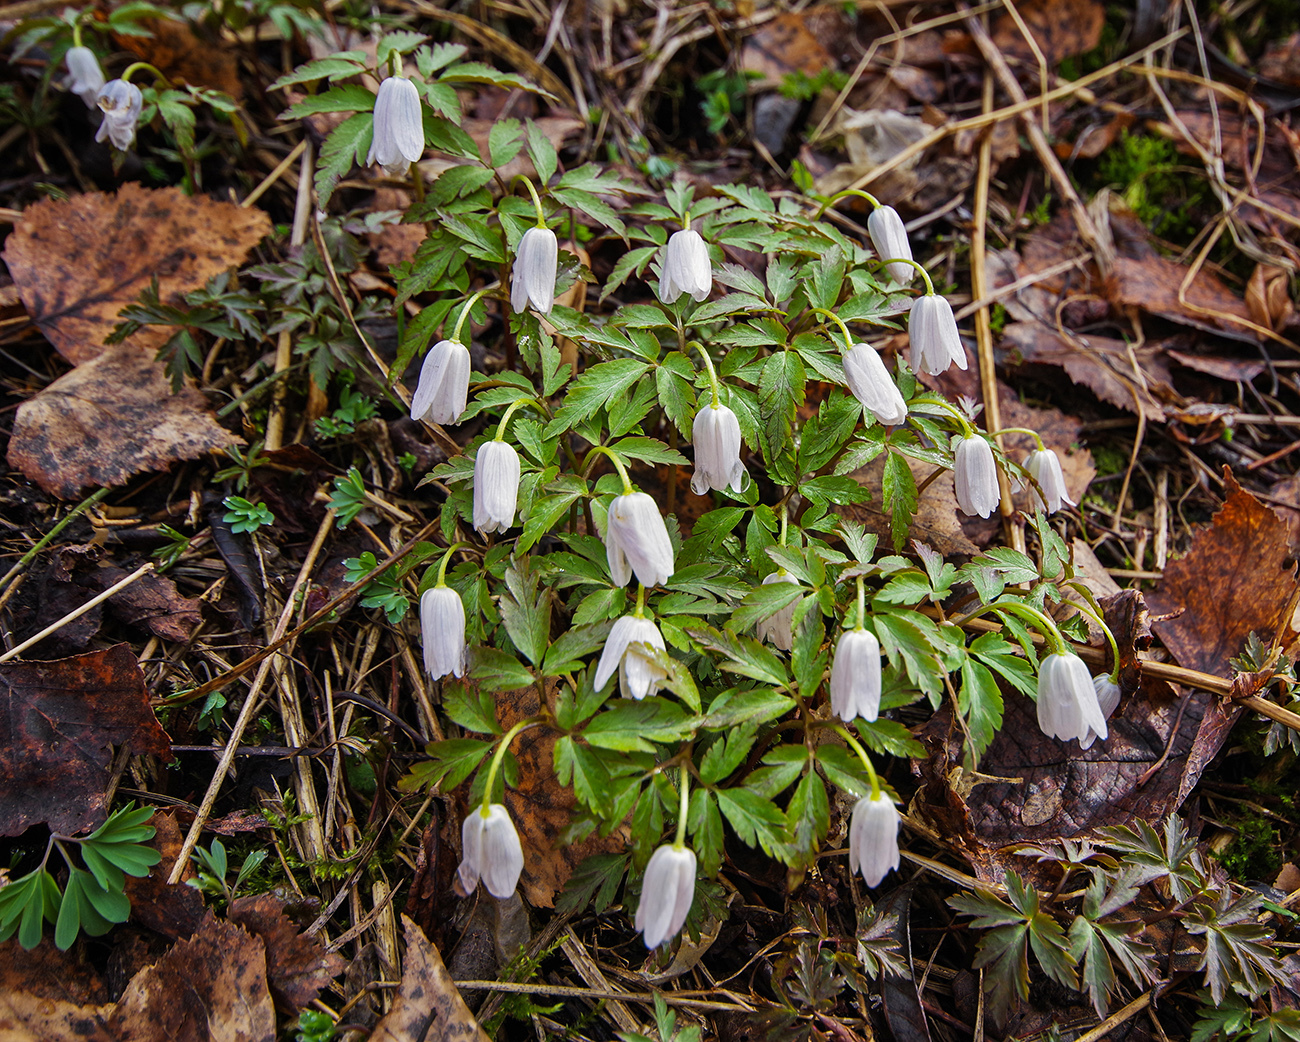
<point>762,602</point>
<point>337,66</point>
<point>593,389</point>
<point>472,708</point>
<point>1000,656</point>
<point>673,381</point>
<point>808,819</point>
<point>504,142</point>
<point>1238,953</point>
<point>744,656</point>
<point>780,392</point>
<point>889,736</point>
<point>526,610</point>
<point>756,820</point>
<point>705,824</point>
<point>898,491</point>
<point>736,708</point>
<point>843,770</point>
<point>541,152</point>
<point>498,671</point>
<point>347,144</point>
<point>593,885</point>
<point>566,654</point>
<point>910,639</point>
<point>450,763</point>
<point>347,97</point>
<point>633,726</point>
<point>577,765</point>
<point>650,450</point>
<point>980,704</point>
<point>727,753</point>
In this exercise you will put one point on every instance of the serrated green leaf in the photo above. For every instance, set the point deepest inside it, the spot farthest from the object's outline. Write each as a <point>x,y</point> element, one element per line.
<point>499,671</point>
<point>347,145</point>
<point>632,726</point>
<point>757,821</point>
<point>345,97</point>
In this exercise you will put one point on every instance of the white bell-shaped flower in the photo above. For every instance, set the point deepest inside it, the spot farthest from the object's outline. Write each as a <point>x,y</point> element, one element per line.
<point>889,237</point>
<point>444,383</point>
<point>84,74</point>
<point>870,383</point>
<point>932,330</point>
<point>120,102</point>
<point>533,276</point>
<point>716,436</point>
<point>687,268</point>
<point>398,139</point>
<point>975,477</point>
<point>778,629</point>
<point>1107,701</point>
<point>1068,706</point>
<point>496,486</point>
<point>628,651</point>
<point>442,628</point>
<point>636,541</point>
<point>873,838</point>
<point>490,851</point>
<point>855,676</point>
<point>1045,468</point>
<point>666,894</point>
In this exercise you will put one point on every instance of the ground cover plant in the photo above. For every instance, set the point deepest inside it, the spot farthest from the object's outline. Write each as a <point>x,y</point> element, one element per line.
<point>626,542</point>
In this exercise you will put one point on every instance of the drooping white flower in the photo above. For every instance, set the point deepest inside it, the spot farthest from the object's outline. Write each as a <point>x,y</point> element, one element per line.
<point>778,629</point>
<point>636,541</point>
<point>490,851</point>
<point>716,436</point>
<point>532,277</point>
<point>1067,700</point>
<point>442,628</point>
<point>932,330</point>
<point>666,894</point>
<point>627,651</point>
<point>855,676</point>
<point>1107,701</point>
<point>444,383</point>
<point>889,237</point>
<point>1045,468</point>
<point>975,477</point>
<point>496,486</point>
<point>120,102</point>
<point>870,383</point>
<point>84,74</point>
<point>398,139</point>
<point>687,268</point>
<point>873,838</point>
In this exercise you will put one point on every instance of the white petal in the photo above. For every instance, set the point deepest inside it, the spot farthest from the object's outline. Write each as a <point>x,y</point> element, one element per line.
<point>84,74</point>
<point>778,629</point>
<point>889,237</point>
<point>502,858</point>
<point>716,437</point>
<point>667,891</point>
<point>686,267</point>
<point>532,277</point>
<point>870,383</point>
<point>635,529</point>
<point>873,838</point>
<point>496,486</point>
<point>441,394</point>
<point>442,629</point>
<point>1044,467</point>
<point>975,477</point>
<point>471,851</point>
<point>855,676</point>
<point>932,330</point>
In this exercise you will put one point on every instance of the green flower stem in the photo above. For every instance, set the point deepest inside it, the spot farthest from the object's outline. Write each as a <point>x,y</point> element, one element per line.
<point>500,755</point>
<point>1020,430</point>
<point>640,601</point>
<point>464,314</point>
<point>929,286</point>
<point>446,559</point>
<point>848,337</point>
<point>76,32</point>
<point>1093,611</point>
<point>856,746</point>
<point>680,842</point>
<point>967,430</point>
<point>394,62</point>
<point>1057,643</point>
<point>686,221</point>
<point>537,200</point>
<point>862,606</point>
<point>785,522</point>
<point>517,404</point>
<point>875,203</point>
<point>135,67</point>
<point>616,459</point>
<point>708,365</point>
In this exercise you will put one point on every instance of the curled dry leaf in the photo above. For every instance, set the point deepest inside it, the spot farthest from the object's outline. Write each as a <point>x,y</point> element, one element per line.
<point>427,1005</point>
<point>297,967</point>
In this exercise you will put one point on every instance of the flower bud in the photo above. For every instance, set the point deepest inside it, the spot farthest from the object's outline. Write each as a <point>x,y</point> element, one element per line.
<point>1107,701</point>
<point>932,330</point>
<point>442,629</point>
<point>444,383</point>
<point>975,477</point>
<point>687,268</point>
<point>778,629</point>
<point>716,436</point>
<point>889,237</point>
<point>626,650</point>
<point>120,102</point>
<point>636,541</point>
<point>873,838</point>
<point>398,139</point>
<point>869,381</point>
<point>855,676</point>
<point>533,276</point>
<point>1068,706</point>
<point>1045,468</point>
<point>666,894</point>
<point>496,486</point>
<point>491,851</point>
<point>84,74</point>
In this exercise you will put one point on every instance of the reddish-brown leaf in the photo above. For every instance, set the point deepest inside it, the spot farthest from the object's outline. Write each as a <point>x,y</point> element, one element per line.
<point>1061,28</point>
<point>297,967</point>
<point>427,1005</point>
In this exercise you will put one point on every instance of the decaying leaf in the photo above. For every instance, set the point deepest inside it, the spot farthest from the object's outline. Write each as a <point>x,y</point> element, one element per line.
<point>1061,28</point>
<point>297,967</point>
<point>1154,283</point>
<point>427,1007</point>
<point>47,996</point>
<point>937,521</point>
<point>175,48</point>
<point>58,723</point>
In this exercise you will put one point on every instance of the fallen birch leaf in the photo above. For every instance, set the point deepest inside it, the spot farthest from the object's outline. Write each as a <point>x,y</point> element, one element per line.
<point>297,967</point>
<point>427,1007</point>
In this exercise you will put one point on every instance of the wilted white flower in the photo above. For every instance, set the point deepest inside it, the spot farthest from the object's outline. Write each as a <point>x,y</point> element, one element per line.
<point>120,102</point>
<point>932,330</point>
<point>84,74</point>
<point>855,676</point>
<point>491,851</point>
<point>873,838</point>
<point>1067,700</point>
<point>889,237</point>
<point>1107,701</point>
<point>687,268</point>
<point>1045,468</point>
<point>496,486</point>
<point>442,628</point>
<point>636,541</point>
<point>533,275</point>
<point>444,383</point>
<point>716,435</point>
<point>398,139</point>
<point>975,477</point>
<point>666,894</point>
<point>626,650</point>
<point>779,628</point>
<point>870,383</point>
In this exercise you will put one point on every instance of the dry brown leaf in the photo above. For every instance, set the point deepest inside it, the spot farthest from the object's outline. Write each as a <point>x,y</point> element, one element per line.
<point>297,966</point>
<point>1236,580</point>
<point>181,55</point>
<point>783,46</point>
<point>1061,28</point>
<point>1153,284</point>
<point>77,262</point>
<point>48,996</point>
<point>427,1007</point>
<point>1268,297</point>
<point>108,419</point>
<point>936,522</point>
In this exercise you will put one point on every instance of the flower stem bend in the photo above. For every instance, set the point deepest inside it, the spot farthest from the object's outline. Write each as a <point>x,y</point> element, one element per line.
<point>1035,617</point>
<point>614,458</point>
<point>518,403</point>
<point>708,365</point>
<point>500,755</point>
<point>848,337</point>
<point>464,314</point>
<point>929,285</point>
<point>875,203</point>
<point>537,200</point>
<point>856,746</point>
<point>1020,430</point>
<point>446,559</point>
